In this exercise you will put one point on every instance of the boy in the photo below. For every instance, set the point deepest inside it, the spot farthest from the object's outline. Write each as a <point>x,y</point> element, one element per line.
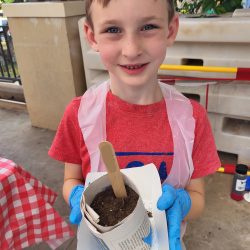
<point>146,121</point>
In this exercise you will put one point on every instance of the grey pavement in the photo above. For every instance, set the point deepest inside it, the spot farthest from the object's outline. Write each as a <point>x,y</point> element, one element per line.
<point>224,225</point>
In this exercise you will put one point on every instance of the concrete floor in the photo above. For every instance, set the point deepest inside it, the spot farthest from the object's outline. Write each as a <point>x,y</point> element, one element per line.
<point>225,223</point>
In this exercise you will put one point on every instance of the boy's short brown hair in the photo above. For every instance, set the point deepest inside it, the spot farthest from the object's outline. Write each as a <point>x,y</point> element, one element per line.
<point>170,3</point>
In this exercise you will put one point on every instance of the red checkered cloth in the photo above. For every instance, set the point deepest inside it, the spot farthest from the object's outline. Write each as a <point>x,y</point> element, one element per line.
<point>26,212</point>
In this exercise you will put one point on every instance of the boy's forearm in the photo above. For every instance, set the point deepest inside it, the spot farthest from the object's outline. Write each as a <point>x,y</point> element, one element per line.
<point>198,204</point>
<point>67,187</point>
<point>196,190</point>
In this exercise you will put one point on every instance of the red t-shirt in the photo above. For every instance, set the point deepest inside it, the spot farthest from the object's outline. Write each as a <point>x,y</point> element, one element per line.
<point>140,134</point>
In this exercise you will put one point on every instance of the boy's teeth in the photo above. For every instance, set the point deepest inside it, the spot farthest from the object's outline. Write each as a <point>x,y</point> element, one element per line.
<point>134,67</point>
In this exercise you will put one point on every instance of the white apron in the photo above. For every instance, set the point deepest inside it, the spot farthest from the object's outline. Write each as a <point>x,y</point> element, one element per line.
<point>92,121</point>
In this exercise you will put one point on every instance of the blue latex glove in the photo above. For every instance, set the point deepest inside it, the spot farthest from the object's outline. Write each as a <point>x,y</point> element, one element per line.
<point>176,203</point>
<point>75,216</point>
<point>148,239</point>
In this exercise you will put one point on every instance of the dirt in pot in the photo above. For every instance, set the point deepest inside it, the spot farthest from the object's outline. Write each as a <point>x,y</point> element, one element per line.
<point>112,210</point>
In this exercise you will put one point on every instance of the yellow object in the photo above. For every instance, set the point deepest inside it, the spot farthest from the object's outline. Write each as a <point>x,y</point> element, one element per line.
<point>222,170</point>
<point>199,68</point>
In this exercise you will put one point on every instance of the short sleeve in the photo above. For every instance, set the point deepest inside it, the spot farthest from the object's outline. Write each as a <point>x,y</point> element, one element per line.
<point>205,157</point>
<point>68,139</point>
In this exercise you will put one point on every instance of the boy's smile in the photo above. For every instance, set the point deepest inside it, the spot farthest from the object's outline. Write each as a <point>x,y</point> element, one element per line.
<point>132,38</point>
<point>133,69</point>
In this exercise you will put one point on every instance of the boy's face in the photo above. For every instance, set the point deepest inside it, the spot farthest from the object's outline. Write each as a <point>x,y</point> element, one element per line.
<point>132,37</point>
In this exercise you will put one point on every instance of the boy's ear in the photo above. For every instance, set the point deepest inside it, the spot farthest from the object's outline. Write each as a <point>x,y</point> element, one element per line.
<point>172,30</point>
<point>89,33</point>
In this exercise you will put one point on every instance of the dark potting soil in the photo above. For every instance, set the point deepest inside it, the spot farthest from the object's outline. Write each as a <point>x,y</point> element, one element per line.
<point>111,209</point>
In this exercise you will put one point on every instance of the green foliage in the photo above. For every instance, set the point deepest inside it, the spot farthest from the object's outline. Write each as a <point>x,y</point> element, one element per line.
<point>7,1</point>
<point>208,6</point>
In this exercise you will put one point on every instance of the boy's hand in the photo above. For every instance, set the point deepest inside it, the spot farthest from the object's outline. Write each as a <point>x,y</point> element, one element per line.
<point>176,203</point>
<point>75,216</point>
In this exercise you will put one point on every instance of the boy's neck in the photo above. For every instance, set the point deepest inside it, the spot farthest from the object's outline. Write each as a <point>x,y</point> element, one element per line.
<point>142,95</point>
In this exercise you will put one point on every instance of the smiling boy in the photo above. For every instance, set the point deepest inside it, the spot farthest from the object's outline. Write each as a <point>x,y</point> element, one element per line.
<point>146,121</point>
<point>132,38</point>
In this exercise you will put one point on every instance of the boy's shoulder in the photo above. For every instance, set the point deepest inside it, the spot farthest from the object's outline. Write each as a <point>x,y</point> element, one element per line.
<point>199,112</point>
<point>71,109</point>
<point>74,103</point>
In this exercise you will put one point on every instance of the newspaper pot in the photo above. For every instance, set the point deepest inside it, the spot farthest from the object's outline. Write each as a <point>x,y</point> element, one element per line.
<point>128,233</point>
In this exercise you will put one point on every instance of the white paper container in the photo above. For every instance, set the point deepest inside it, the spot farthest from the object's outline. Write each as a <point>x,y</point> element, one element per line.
<point>131,223</point>
<point>148,186</point>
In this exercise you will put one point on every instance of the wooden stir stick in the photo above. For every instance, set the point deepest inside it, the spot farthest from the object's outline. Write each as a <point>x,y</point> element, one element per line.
<point>114,173</point>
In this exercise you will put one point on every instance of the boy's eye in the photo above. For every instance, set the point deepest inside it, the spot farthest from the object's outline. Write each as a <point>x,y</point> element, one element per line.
<point>113,30</point>
<point>149,27</point>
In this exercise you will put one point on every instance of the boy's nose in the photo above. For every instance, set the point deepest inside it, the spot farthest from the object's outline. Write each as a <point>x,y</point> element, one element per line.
<point>132,47</point>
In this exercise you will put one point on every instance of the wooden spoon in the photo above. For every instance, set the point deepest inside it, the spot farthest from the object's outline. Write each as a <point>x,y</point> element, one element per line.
<point>114,173</point>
